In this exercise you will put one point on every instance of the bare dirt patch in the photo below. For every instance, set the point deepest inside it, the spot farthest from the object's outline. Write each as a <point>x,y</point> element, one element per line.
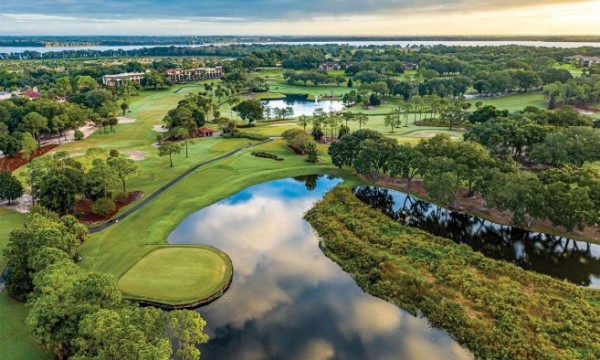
<point>22,204</point>
<point>284,124</point>
<point>13,163</point>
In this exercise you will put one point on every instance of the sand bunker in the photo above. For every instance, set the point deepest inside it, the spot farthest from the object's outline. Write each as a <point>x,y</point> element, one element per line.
<point>125,120</point>
<point>135,155</point>
<point>159,128</point>
<point>285,124</point>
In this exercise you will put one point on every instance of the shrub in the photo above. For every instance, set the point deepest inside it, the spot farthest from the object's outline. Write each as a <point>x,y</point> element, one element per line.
<point>103,206</point>
<point>78,135</point>
<point>114,153</point>
<point>245,135</point>
<point>120,197</point>
<point>265,155</point>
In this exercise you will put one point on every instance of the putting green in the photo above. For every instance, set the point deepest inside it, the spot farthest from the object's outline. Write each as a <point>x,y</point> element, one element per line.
<point>178,276</point>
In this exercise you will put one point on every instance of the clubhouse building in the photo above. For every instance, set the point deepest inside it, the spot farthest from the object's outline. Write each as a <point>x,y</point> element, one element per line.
<point>120,79</point>
<point>202,73</point>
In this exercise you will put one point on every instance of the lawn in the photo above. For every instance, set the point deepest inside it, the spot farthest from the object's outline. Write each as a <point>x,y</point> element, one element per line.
<point>15,339</point>
<point>178,275</point>
<point>9,220</point>
<point>516,102</point>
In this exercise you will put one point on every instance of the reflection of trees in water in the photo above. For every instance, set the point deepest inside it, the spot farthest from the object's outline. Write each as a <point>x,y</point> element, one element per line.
<point>552,255</point>
<point>310,181</point>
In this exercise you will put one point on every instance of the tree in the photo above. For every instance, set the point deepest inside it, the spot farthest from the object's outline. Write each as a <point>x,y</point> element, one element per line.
<point>182,133</point>
<point>361,119</point>
<point>406,161</point>
<point>9,145</point>
<point>28,145</point>
<point>304,121</point>
<point>124,169</point>
<point>124,107</point>
<point>168,149</point>
<point>187,327</point>
<point>311,151</point>
<point>441,188</point>
<point>373,156</point>
<point>392,121</point>
<point>250,110</point>
<point>10,187</point>
<point>455,114</point>
<point>78,135</point>
<point>34,123</point>
<point>154,79</point>
<point>99,179</point>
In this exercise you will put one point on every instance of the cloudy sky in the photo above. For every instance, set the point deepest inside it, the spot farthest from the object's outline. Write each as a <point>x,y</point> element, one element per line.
<point>300,17</point>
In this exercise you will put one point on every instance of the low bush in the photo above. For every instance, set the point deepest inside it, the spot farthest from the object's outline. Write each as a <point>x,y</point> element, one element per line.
<point>78,135</point>
<point>245,135</point>
<point>265,155</point>
<point>103,206</point>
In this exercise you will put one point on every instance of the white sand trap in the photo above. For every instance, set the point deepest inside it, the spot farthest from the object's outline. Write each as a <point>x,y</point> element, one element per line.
<point>22,204</point>
<point>125,120</point>
<point>285,124</point>
<point>159,129</point>
<point>87,130</point>
<point>155,145</point>
<point>135,155</point>
<point>425,135</point>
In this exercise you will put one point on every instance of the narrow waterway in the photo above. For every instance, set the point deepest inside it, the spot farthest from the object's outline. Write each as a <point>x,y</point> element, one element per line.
<point>559,257</point>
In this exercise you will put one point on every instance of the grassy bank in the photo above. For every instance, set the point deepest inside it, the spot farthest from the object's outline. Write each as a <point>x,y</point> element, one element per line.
<point>494,308</point>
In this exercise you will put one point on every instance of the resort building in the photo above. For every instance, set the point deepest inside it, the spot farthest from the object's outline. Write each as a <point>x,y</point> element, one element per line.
<point>330,66</point>
<point>410,66</point>
<point>585,61</point>
<point>203,73</point>
<point>204,132</point>
<point>120,79</point>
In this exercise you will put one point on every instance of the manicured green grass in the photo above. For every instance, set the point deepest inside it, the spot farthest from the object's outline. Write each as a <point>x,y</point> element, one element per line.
<point>9,220</point>
<point>573,69</point>
<point>178,275</point>
<point>119,247</point>
<point>516,102</point>
<point>15,339</point>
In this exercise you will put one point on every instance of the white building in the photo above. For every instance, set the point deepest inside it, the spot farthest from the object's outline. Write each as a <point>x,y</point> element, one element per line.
<point>202,73</point>
<point>120,79</point>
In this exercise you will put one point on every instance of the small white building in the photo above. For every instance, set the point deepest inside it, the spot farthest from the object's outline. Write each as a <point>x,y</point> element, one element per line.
<point>120,79</point>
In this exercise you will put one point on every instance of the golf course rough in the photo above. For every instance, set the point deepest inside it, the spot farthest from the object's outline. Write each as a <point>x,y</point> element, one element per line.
<point>178,277</point>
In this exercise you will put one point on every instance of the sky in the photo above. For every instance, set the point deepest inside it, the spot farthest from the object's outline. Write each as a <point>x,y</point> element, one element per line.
<point>300,17</point>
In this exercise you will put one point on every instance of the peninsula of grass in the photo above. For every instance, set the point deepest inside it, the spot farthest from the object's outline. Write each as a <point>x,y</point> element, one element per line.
<point>494,308</point>
<point>176,277</point>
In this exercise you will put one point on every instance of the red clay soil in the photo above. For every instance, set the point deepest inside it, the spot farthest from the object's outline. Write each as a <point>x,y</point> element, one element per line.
<point>84,206</point>
<point>476,206</point>
<point>12,164</point>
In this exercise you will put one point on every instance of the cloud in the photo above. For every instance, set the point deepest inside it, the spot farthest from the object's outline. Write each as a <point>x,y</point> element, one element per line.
<point>257,10</point>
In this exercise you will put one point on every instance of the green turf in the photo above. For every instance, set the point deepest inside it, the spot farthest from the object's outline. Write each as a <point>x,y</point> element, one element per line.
<point>516,102</point>
<point>178,275</point>
<point>15,340</point>
<point>9,220</point>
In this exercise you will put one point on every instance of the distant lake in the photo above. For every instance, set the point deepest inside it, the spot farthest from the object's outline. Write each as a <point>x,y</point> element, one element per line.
<point>302,106</point>
<point>558,44</point>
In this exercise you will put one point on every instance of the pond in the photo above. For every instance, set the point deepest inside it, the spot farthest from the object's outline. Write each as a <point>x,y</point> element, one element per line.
<point>302,106</point>
<point>559,257</point>
<point>288,300</point>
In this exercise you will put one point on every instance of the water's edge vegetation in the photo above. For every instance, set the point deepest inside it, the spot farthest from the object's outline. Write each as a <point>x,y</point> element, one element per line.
<point>492,307</point>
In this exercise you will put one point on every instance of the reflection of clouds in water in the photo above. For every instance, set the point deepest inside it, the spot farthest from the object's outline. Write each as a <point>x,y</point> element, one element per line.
<point>287,299</point>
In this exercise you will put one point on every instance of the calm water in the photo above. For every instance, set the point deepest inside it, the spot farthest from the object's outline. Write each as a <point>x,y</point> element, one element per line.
<point>6,49</point>
<point>575,261</point>
<point>289,301</point>
<point>303,106</point>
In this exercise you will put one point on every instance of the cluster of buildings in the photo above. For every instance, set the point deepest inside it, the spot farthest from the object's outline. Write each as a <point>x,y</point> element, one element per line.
<point>30,93</point>
<point>174,75</point>
<point>584,61</point>
<point>332,65</point>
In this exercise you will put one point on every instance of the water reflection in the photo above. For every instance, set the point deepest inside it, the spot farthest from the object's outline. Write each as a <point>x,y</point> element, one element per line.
<point>302,106</point>
<point>575,261</point>
<point>289,301</point>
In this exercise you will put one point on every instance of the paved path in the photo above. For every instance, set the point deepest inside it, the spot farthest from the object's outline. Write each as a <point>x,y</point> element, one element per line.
<point>168,185</point>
